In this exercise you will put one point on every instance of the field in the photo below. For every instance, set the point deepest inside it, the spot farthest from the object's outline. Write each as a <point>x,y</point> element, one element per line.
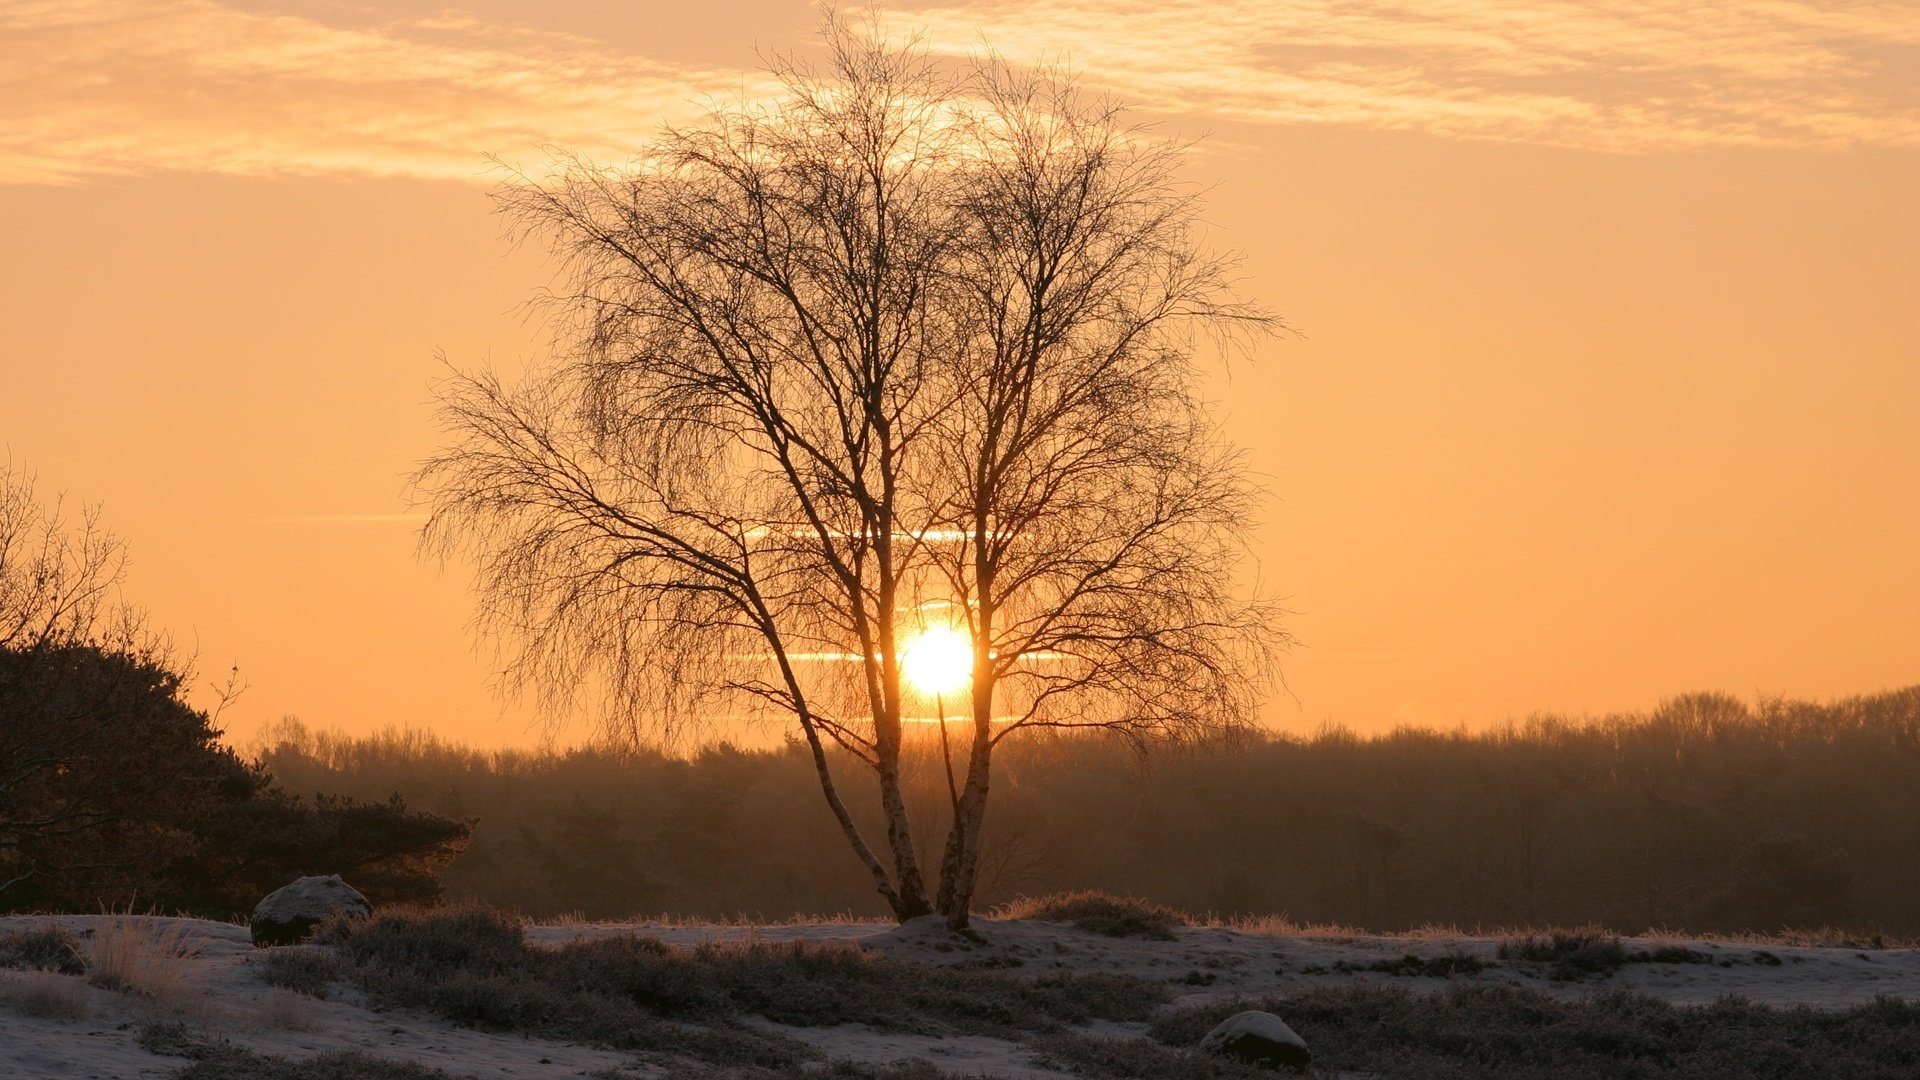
<point>1086,987</point>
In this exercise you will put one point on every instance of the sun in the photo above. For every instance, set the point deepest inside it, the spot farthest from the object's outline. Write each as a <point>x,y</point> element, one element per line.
<point>938,661</point>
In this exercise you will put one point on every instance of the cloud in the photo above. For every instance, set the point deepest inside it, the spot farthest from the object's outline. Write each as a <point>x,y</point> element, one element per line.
<point>100,88</point>
<point>1611,75</point>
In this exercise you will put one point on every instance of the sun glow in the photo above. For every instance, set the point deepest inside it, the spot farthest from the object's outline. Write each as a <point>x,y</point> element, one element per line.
<point>938,661</point>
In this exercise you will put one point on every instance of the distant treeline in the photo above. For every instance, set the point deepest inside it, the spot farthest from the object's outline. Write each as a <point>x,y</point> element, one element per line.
<point>1707,814</point>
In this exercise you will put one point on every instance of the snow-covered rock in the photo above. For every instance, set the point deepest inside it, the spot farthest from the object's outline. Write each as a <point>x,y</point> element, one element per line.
<point>1258,1038</point>
<point>287,915</point>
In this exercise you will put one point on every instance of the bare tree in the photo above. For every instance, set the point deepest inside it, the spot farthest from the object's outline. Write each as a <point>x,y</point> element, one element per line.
<point>905,352</point>
<point>59,579</point>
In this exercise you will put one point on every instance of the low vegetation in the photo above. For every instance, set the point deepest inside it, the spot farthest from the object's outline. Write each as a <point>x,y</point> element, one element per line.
<point>302,969</point>
<point>910,1069</point>
<point>1098,1058</point>
<point>1100,913</point>
<point>220,1060</point>
<point>1476,1031</point>
<point>687,1009</point>
<point>632,992</point>
<point>44,948</point>
<point>1448,966</point>
<point>1573,955</point>
<point>46,994</point>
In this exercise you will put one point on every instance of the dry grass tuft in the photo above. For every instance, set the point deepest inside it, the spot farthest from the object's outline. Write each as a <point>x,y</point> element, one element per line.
<point>141,954</point>
<point>47,994</point>
<point>1282,926</point>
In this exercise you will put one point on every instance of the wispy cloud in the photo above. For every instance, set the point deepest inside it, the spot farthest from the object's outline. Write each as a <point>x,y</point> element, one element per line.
<point>97,88</point>
<point>1616,75</point>
<point>109,87</point>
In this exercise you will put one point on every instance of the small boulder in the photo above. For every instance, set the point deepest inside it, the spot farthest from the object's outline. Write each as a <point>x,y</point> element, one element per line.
<point>287,915</point>
<point>1258,1038</point>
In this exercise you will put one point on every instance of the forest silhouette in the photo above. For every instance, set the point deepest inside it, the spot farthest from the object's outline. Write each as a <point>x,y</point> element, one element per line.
<point>1706,814</point>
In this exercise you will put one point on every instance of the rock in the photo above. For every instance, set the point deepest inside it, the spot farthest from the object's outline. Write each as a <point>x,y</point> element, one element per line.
<point>1258,1038</point>
<point>287,915</point>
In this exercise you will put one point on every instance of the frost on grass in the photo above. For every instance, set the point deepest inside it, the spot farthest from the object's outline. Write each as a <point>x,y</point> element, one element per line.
<point>635,992</point>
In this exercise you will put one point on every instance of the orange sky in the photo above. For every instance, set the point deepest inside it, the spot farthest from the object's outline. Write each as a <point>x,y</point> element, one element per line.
<point>1609,391</point>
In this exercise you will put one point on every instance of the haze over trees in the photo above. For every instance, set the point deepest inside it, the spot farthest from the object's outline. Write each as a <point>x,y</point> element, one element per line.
<point>899,367</point>
<point>1704,814</point>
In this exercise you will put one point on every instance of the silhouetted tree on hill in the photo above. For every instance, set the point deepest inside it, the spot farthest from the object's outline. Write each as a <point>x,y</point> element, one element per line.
<point>900,359</point>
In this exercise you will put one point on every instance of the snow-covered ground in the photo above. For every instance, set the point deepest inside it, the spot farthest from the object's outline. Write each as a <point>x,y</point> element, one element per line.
<point>221,994</point>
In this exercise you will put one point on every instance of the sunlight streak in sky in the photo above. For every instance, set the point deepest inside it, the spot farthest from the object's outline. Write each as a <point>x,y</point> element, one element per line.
<point>345,519</point>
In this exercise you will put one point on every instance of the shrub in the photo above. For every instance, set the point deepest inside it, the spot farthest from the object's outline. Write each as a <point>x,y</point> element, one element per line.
<point>1672,954</point>
<point>1439,967</point>
<point>1577,954</point>
<point>1100,913</point>
<point>50,948</point>
<point>428,942</point>
<point>300,969</point>
<point>47,994</point>
<point>1573,954</point>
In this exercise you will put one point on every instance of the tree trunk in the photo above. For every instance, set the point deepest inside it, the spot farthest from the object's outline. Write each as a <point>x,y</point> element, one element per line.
<point>906,867</point>
<point>867,858</point>
<point>959,868</point>
<point>905,903</point>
